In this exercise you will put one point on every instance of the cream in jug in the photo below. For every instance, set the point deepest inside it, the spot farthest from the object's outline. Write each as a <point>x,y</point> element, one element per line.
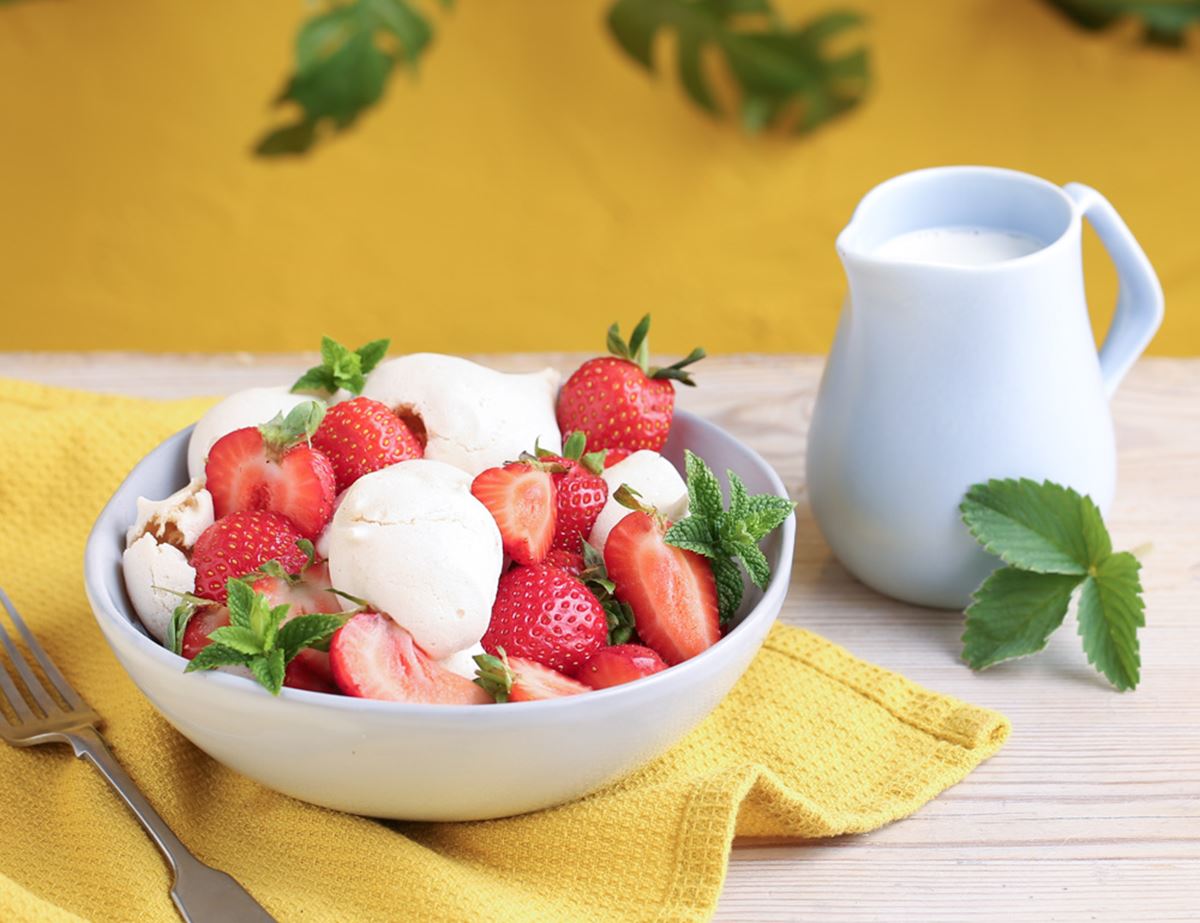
<point>964,352</point>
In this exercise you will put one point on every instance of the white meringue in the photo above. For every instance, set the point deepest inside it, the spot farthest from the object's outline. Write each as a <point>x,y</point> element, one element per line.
<point>474,417</point>
<point>178,520</point>
<point>415,544</point>
<point>241,409</point>
<point>152,571</point>
<point>650,475</point>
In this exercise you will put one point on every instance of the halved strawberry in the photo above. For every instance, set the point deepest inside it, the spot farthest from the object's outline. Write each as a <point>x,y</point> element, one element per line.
<point>374,658</point>
<point>515,679</point>
<point>621,663</point>
<point>360,436</point>
<point>521,498</point>
<point>272,467</point>
<point>239,544</point>
<point>671,591</point>
<point>204,621</point>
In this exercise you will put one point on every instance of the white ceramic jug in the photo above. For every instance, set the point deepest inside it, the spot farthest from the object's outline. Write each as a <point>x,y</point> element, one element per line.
<point>943,375</point>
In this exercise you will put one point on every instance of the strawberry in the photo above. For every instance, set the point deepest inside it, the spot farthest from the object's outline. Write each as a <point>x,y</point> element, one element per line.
<point>620,401</point>
<point>203,622</point>
<point>542,613</point>
<point>374,658</point>
<point>272,467</point>
<point>515,679</point>
<point>303,593</point>
<point>671,591</point>
<point>612,456</point>
<point>360,436</point>
<point>239,544</point>
<point>580,491</point>
<point>622,663</point>
<point>570,561</point>
<point>521,498</point>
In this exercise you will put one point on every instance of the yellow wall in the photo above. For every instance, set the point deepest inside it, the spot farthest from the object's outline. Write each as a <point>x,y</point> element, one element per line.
<point>533,184</point>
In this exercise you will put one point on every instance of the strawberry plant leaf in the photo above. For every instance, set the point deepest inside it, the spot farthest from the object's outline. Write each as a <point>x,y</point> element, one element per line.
<point>776,68</point>
<point>493,675</point>
<point>344,56</point>
<point>1044,527</point>
<point>1110,613</point>
<point>1013,615</point>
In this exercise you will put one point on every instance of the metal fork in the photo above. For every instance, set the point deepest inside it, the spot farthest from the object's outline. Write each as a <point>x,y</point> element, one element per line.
<point>200,892</point>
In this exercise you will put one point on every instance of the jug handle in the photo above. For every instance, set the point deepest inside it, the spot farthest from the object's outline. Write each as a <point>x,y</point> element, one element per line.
<point>1139,310</point>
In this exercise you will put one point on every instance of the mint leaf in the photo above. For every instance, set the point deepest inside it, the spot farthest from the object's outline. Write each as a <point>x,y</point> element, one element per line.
<point>728,577</point>
<point>1014,614</point>
<point>241,601</point>
<point>240,639</point>
<point>1110,613</point>
<point>305,631</point>
<point>727,536</point>
<point>1039,527</point>
<point>268,670</point>
<point>341,367</point>
<point>216,655</point>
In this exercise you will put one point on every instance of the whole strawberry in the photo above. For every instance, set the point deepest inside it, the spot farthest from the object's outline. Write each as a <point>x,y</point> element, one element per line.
<point>542,613</point>
<point>620,401</point>
<point>360,436</point>
<point>580,492</point>
<point>240,543</point>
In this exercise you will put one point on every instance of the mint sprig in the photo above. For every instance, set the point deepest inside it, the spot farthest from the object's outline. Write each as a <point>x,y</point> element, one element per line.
<point>341,367</point>
<point>257,638</point>
<point>728,536</point>
<point>1056,547</point>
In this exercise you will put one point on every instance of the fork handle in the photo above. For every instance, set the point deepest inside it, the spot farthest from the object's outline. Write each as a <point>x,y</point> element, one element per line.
<point>201,893</point>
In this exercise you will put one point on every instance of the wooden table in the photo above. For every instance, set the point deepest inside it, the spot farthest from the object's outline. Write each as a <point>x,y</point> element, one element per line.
<point>1092,809</point>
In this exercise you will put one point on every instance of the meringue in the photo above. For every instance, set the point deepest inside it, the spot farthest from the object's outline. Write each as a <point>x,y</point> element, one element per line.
<point>650,475</point>
<point>155,573</point>
<point>250,407</point>
<point>463,663</point>
<point>178,520</point>
<point>474,417</point>
<point>413,542</point>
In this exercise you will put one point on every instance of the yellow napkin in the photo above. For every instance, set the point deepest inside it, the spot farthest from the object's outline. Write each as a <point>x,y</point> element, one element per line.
<point>811,742</point>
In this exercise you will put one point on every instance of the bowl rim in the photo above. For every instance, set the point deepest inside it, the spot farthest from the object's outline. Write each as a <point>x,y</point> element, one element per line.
<point>766,609</point>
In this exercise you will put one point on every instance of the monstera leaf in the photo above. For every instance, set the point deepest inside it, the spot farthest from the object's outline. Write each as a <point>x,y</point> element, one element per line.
<point>774,67</point>
<point>1165,21</point>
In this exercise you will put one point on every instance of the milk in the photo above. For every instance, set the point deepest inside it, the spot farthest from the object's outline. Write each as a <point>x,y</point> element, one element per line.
<point>957,246</point>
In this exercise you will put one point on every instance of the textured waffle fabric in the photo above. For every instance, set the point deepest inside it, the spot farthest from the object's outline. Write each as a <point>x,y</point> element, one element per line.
<point>810,743</point>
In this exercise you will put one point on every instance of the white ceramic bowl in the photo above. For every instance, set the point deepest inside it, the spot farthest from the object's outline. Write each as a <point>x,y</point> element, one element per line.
<point>431,762</point>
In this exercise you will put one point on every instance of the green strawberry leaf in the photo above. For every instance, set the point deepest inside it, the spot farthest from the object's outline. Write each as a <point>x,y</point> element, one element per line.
<point>1043,527</point>
<point>1013,615</point>
<point>494,675</point>
<point>1110,613</point>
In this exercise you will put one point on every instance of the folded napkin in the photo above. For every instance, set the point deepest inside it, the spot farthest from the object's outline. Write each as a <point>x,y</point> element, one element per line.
<point>810,743</point>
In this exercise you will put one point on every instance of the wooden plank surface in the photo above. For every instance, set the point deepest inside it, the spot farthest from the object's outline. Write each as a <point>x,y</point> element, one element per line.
<point>1090,812</point>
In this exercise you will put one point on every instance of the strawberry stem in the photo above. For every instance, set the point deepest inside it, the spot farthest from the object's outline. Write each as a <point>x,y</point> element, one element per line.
<point>493,675</point>
<point>637,351</point>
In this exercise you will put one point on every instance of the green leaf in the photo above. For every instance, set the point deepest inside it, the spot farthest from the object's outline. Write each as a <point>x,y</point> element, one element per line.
<point>344,57</point>
<point>776,68</point>
<point>704,490</point>
<point>1110,613</point>
<point>728,577</point>
<point>306,631</point>
<point>241,601</point>
<point>371,354</point>
<point>1165,22</point>
<point>739,498</point>
<point>239,639</point>
<point>299,425</point>
<point>216,655</point>
<point>268,670</point>
<point>756,564</point>
<point>493,675</point>
<point>1043,527</point>
<point>621,623</point>
<point>764,513</point>
<point>1014,614</point>
<point>693,533</point>
<point>318,379</point>
<point>180,617</point>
